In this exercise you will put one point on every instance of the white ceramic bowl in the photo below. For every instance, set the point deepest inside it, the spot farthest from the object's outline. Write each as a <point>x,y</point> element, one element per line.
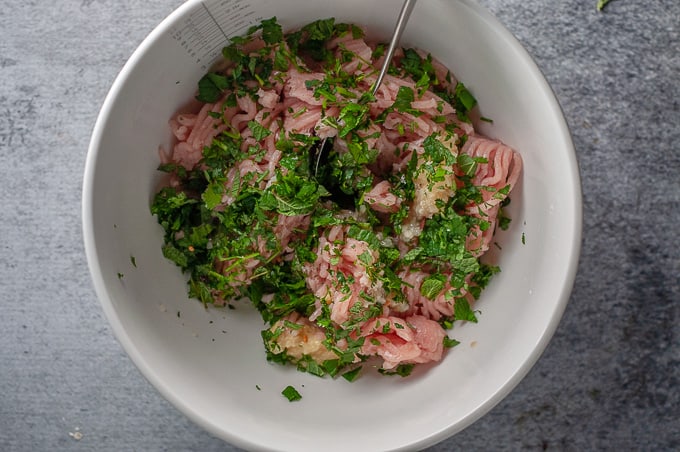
<point>210,363</point>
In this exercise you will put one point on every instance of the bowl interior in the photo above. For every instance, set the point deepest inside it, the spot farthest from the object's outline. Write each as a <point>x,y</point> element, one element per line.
<point>210,363</point>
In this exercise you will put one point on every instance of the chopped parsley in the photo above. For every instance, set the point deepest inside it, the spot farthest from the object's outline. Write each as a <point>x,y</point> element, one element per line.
<point>352,375</point>
<point>403,370</point>
<point>211,87</point>
<point>503,220</point>
<point>465,101</point>
<point>462,310</point>
<point>291,394</point>
<point>259,131</point>
<point>450,343</point>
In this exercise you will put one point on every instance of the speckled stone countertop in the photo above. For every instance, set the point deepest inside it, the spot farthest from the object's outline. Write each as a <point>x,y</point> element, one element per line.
<point>610,378</point>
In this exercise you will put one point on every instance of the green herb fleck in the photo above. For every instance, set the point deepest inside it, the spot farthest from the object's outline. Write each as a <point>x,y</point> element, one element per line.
<point>259,131</point>
<point>351,375</point>
<point>404,98</point>
<point>272,33</point>
<point>432,286</point>
<point>450,343</point>
<point>291,394</point>
<point>503,220</point>
<point>211,87</point>
<point>462,311</point>
<point>464,98</point>
<point>403,370</point>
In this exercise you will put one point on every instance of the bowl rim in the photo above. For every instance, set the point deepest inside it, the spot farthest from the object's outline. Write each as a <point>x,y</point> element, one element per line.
<point>566,283</point>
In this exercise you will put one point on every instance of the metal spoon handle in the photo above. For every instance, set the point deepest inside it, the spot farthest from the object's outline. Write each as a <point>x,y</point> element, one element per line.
<point>321,149</point>
<point>405,13</point>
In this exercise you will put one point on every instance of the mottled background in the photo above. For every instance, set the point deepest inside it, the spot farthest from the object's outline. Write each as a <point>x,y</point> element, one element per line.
<point>609,379</point>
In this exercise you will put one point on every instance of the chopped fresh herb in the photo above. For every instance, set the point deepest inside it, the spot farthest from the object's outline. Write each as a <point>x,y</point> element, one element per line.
<point>403,370</point>
<point>467,164</point>
<point>524,241</point>
<point>432,286</point>
<point>403,100</point>
<point>352,375</point>
<point>503,220</point>
<point>450,343</point>
<point>291,394</point>
<point>212,196</point>
<point>462,310</point>
<point>321,30</point>
<point>272,33</point>
<point>292,195</point>
<point>259,131</point>
<point>211,87</point>
<point>464,99</point>
<point>309,365</point>
<point>178,257</point>
<point>482,277</point>
<point>437,152</point>
<point>352,115</point>
<point>133,260</point>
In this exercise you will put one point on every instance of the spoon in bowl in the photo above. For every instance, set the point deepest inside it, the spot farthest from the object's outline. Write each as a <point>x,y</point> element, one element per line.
<point>320,150</point>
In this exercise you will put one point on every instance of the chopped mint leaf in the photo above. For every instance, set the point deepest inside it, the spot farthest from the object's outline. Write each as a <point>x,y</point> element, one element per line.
<point>320,30</point>
<point>175,255</point>
<point>272,33</point>
<point>467,164</point>
<point>403,370</point>
<point>292,195</point>
<point>291,394</point>
<point>437,151</point>
<point>212,196</point>
<point>211,87</point>
<point>404,98</point>
<point>464,98</point>
<point>259,131</point>
<point>462,310</point>
<point>450,343</point>
<point>352,374</point>
<point>432,286</point>
<point>503,220</point>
